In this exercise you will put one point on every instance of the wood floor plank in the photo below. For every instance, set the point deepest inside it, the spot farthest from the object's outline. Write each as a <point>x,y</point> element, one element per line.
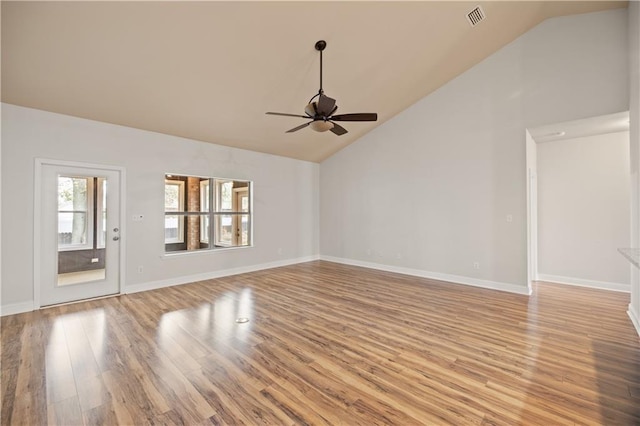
<point>8,383</point>
<point>119,405</point>
<point>65,412</point>
<point>325,344</point>
<point>60,383</point>
<point>105,414</point>
<point>30,400</point>
<point>173,386</point>
<point>92,393</point>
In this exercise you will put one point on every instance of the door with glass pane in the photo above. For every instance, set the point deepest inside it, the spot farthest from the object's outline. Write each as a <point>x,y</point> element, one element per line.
<point>80,235</point>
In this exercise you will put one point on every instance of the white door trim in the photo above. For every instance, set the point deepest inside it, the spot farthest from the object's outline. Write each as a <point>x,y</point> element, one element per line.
<point>531,170</point>
<point>37,217</point>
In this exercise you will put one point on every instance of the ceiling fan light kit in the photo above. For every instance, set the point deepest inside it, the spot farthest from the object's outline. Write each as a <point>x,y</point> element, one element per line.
<point>321,125</point>
<point>321,112</point>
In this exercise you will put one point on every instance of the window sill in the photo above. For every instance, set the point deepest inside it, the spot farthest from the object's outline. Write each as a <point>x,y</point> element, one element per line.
<point>201,252</point>
<point>76,248</point>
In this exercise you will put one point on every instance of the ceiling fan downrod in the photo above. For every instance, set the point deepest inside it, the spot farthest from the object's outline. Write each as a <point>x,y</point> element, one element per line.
<point>320,46</point>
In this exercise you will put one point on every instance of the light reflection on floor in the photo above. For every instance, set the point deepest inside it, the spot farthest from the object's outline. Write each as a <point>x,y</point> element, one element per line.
<point>217,319</point>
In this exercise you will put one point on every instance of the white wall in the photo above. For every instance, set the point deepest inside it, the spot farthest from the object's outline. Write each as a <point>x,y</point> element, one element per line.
<point>429,191</point>
<point>583,210</point>
<point>634,138</point>
<point>286,224</point>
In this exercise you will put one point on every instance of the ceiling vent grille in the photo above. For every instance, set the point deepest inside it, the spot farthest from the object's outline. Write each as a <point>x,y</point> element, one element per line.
<point>475,16</point>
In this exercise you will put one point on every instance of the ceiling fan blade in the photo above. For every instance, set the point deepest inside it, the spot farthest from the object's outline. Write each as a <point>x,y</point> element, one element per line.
<point>286,115</point>
<point>302,126</point>
<point>325,105</point>
<point>338,129</point>
<point>363,116</point>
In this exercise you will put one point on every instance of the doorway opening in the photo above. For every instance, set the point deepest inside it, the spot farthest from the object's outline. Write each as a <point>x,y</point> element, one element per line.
<point>578,198</point>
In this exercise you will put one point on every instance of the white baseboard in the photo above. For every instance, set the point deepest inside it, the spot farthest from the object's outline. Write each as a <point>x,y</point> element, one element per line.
<point>635,318</point>
<point>16,308</point>
<point>153,285</point>
<point>19,308</point>
<point>456,279</point>
<point>579,282</point>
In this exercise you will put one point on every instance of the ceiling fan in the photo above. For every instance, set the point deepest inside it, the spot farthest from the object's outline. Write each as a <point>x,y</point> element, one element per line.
<point>321,112</point>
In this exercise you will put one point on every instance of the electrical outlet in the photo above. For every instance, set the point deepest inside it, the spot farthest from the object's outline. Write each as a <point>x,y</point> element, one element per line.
<point>509,218</point>
<point>476,265</point>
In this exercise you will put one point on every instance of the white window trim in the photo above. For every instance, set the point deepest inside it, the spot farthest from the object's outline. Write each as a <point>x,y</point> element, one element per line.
<point>180,238</point>
<point>100,206</point>
<point>204,236</point>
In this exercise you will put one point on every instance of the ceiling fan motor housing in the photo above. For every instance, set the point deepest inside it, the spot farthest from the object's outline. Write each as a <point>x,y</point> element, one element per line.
<point>310,109</point>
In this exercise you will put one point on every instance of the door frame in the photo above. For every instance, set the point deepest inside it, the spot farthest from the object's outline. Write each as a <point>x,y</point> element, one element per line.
<point>37,218</point>
<point>531,168</point>
<point>532,209</point>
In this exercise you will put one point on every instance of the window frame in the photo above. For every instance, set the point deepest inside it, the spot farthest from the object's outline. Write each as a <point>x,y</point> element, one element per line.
<point>100,214</point>
<point>89,218</point>
<point>205,194</point>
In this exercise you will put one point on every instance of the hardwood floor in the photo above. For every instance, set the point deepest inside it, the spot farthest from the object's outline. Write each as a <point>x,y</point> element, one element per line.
<point>325,344</point>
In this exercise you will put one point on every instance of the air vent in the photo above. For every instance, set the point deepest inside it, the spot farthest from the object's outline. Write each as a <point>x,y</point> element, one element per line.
<point>475,16</point>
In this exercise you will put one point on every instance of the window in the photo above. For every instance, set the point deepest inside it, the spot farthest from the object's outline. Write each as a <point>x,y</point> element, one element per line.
<point>75,213</point>
<point>81,213</point>
<point>206,213</point>
<point>232,213</point>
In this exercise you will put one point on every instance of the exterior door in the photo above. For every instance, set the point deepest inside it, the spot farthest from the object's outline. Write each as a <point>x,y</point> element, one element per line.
<point>79,233</point>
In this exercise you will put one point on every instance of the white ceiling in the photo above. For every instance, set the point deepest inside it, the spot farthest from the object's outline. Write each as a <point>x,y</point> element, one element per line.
<point>210,70</point>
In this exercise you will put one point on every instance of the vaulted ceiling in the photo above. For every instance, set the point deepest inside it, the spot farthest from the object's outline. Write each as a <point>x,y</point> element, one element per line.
<point>210,70</point>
